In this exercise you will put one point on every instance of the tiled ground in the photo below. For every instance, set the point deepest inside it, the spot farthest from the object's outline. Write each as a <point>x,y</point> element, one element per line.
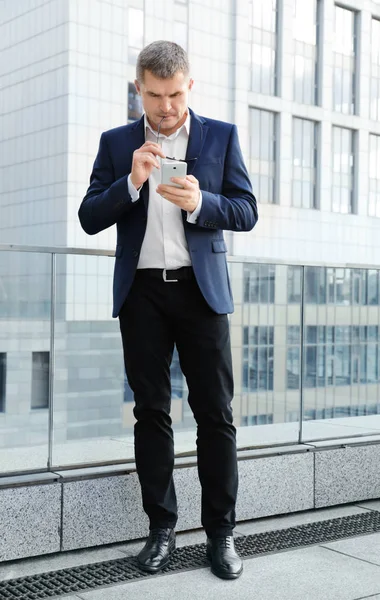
<point>343,570</point>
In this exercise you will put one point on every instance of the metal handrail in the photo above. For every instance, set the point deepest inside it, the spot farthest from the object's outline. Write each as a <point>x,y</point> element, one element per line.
<point>232,259</point>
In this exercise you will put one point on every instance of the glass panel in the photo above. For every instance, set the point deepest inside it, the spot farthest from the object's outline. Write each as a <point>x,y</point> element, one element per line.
<point>305,44</point>
<point>135,109</point>
<point>342,354</point>
<point>265,349</point>
<point>343,169</point>
<point>304,142</point>
<point>374,175</point>
<point>263,28</point>
<point>344,43</point>
<point>180,34</point>
<point>135,33</point>
<point>25,308</point>
<point>262,152</point>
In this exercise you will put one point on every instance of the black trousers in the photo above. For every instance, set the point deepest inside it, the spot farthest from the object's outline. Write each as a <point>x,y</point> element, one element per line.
<point>155,316</point>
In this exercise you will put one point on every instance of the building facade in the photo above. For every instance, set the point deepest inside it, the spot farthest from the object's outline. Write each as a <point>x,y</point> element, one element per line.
<point>301,79</point>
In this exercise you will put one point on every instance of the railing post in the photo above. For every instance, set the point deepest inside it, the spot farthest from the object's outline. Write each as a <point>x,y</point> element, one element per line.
<point>52,359</point>
<point>302,354</point>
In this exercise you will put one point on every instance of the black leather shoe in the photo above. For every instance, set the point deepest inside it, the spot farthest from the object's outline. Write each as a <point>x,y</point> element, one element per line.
<point>156,553</point>
<point>225,563</point>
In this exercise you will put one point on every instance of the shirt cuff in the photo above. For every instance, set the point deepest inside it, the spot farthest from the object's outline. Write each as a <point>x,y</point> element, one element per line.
<point>193,217</point>
<point>134,194</point>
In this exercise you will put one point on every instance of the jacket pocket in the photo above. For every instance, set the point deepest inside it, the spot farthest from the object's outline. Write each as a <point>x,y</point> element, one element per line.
<point>219,246</point>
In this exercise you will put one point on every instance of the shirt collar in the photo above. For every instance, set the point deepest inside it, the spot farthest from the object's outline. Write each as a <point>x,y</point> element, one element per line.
<point>185,126</point>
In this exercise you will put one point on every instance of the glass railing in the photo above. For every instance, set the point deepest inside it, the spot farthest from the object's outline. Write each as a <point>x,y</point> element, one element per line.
<point>305,343</point>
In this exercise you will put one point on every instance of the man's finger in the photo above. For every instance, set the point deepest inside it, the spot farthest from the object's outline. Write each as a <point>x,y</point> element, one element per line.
<point>170,190</point>
<point>181,181</point>
<point>191,178</point>
<point>153,148</point>
<point>148,157</point>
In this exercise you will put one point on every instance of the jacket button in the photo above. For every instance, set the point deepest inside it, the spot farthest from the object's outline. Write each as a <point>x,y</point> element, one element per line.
<point>135,253</point>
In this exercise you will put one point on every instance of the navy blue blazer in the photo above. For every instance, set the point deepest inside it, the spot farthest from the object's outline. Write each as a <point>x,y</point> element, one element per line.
<point>227,203</point>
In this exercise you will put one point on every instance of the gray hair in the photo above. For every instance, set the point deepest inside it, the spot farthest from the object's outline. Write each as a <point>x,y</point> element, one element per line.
<point>163,59</point>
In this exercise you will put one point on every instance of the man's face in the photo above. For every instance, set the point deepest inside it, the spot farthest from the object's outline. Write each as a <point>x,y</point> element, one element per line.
<point>165,98</point>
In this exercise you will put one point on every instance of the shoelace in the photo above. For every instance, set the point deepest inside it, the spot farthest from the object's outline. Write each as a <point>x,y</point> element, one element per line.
<point>226,542</point>
<point>159,536</point>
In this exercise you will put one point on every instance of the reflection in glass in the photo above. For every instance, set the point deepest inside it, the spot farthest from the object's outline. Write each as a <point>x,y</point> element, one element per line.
<point>294,284</point>
<point>336,359</point>
<point>263,154</point>
<point>25,332</point>
<point>40,380</point>
<point>258,358</point>
<point>3,378</point>
<point>259,283</point>
<point>135,109</point>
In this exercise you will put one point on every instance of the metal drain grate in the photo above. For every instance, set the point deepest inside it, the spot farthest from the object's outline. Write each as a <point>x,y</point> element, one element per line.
<point>87,577</point>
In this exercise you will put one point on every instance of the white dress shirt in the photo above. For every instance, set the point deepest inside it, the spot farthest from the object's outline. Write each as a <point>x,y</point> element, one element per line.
<point>164,245</point>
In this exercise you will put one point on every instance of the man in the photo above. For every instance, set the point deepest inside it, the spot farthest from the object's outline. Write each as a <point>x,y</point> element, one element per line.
<point>171,287</point>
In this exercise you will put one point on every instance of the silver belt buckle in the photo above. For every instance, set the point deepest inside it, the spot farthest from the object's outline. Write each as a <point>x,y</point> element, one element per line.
<point>166,279</point>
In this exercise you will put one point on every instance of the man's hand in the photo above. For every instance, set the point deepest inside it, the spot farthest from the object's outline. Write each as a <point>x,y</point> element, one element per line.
<point>186,197</point>
<point>144,161</point>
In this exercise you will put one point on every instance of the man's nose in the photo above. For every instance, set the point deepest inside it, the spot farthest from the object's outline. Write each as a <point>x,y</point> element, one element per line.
<point>165,105</point>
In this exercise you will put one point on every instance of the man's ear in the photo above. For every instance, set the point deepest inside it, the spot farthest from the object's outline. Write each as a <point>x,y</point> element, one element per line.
<point>137,86</point>
<point>191,83</point>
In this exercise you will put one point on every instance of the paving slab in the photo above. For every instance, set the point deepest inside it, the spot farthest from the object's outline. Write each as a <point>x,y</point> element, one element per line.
<point>302,518</point>
<point>313,574</point>
<point>366,547</point>
<point>55,562</point>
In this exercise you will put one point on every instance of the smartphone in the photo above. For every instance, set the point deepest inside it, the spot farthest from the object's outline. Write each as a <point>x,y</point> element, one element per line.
<point>173,169</point>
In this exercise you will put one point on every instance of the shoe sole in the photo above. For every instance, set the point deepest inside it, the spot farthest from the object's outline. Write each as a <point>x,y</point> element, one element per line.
<point>222,575</point>
<point>227,575</point>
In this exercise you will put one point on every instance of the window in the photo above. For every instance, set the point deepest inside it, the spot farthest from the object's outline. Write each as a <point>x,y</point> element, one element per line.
<point>305,34</point>
<point>373,288</point>
<point>263,28</point>
<point>343,170</point>
<point>176,376</point>
<point>315,285</point>
<point>293,357</point>
<point>40,379</point>
<point>334,356</point>
<point>259,282</point>
<point>135,109</point>
<point>135,33</point>
<point>344,72</point>
<point>3,375</point>
<point>258,358</point>
<point>374,176</point>
<point>181,23</point>
<point>304,163</point>
<point>375,71</point>
<point>262,163</point>
<point>257,420</point>
<point>294,285</point>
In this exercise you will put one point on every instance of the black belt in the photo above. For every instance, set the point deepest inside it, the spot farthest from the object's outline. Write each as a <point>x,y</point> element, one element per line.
<point>169,276</point>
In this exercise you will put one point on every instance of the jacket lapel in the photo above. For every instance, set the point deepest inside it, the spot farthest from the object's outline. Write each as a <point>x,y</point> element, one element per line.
<point>197,137</point>
<point>136,140</point>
